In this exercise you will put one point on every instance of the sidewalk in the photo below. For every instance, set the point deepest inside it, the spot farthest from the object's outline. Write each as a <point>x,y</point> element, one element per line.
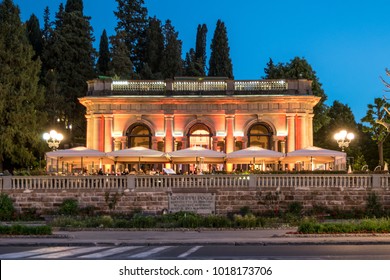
<point>190,237</point>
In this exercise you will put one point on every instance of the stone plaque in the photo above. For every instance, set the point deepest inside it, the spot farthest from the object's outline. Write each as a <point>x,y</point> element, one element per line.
<point>201,203</point>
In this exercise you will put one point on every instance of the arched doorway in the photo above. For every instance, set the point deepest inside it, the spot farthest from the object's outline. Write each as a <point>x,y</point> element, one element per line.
<point>139,135</point>
<point>200,135</point>
<point>260,135</point>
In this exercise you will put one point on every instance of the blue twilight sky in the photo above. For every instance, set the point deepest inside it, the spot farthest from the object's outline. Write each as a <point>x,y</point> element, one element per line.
<point>346,42</point>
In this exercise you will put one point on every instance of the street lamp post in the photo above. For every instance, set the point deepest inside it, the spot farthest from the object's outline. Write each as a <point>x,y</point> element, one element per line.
<point>53,139</point>
<point>343,138</point>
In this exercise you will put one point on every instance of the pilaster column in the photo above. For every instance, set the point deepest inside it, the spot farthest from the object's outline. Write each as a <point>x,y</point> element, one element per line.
<point>168,133</point>
<point>108,133</point>
<point>229,143</point>
<point>96,142</point>
<point>168,145</point>
<point>310,129</point>
<point>291,132</point>
<point>89,131</point>
<point>302,132</point>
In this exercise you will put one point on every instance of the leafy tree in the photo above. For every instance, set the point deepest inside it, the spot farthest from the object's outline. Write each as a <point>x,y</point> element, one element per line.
<point>299,68</point>
<point>21,97</point>
<point>378,132</point>
<point>171,64</point>
<point>220,64</point>
<point>131,28</point>
<point>71,55</point>
<point>104,55</point>
<point>35,35</point>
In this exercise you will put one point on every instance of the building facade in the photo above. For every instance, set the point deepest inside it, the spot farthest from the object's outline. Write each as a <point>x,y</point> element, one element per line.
<point>215,113</point>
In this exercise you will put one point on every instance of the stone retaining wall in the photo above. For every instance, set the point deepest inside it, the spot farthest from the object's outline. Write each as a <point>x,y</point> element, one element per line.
<point>225,200</point>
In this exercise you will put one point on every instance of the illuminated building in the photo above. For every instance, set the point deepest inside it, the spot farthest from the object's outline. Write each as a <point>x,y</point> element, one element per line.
<point>216,113</point>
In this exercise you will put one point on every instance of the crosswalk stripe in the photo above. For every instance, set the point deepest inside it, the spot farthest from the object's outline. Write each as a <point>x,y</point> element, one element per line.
<point>26,254</point>
<point>69,253</point>
<point>190,251</point>
<point>110,252</point>
<point>150,252</point>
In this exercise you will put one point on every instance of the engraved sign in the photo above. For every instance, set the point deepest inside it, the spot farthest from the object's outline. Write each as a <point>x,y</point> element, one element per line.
<point>201,203</point>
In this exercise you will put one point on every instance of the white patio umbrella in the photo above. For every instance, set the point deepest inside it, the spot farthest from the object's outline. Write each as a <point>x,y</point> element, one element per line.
<point>314,154</point>
<point>253,154</point>
<point>79,155</point>
<point>196,154</point>
<point>138,155</point>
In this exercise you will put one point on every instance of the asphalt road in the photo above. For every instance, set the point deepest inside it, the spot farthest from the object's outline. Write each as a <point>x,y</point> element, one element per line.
<point>200,252</point>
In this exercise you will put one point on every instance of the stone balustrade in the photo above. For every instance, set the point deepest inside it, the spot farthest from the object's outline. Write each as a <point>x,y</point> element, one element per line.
<point>236,182</point>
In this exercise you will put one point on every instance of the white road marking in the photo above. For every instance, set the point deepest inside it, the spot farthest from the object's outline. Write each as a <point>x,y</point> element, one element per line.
<point>110,252</point>
<point>190,251</point>
<point>150,252</point>
<point>26,254</point>
<point>69,253</point>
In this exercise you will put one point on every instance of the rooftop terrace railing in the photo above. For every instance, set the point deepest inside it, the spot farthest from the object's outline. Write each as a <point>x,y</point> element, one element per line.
<point>202,86</point>
<point>165,182</point>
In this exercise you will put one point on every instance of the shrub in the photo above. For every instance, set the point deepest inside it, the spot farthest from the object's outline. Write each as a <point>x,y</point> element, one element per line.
<point>7,210</point>
<point>373,207</point>
<point>25,230</point>
<point>69,207</point>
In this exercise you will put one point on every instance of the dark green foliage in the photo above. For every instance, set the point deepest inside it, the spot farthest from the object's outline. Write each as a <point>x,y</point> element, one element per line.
<point>373,207</point>
<point>35,35</point>
<point>70,54</point>
<point>111,199</point>
<point>121,65</point>
<point>21,97</point>
<point>7,210</point>
<point>295,208</point>
<point>299,68</point>
<point>376,131</point>
<point>171,64</point>
<point>25,230</point>
<point>220,64</point>
<point>363,226</point>
<point>131,29</point>
<point>103,61</point>
<point>200,49</point>
<point>69,206</point>
<point>154,48</point>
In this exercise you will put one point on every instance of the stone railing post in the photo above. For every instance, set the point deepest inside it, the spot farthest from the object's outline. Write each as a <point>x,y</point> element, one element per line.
<point>376,181</point>
<point>252,181</point>
<point>131,182</point>
<point>7,182</point>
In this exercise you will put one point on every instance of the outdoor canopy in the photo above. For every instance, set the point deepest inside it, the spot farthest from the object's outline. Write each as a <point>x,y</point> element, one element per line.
<point>253,155</point>
<point>138,154</point>
<point>79,155</point>
<point>196,155</point>
<point>314,154</point>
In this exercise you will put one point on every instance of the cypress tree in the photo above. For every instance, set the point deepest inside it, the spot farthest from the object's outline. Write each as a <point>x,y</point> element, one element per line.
<point>131,27</point>
<point>35,36</point>
<point>154,47</point>
<point>220,64</point>
<point>21,97</point>
<point>171,64</point>
<point>200,49</point>
<point>120,65</point>
<point>104,55</point>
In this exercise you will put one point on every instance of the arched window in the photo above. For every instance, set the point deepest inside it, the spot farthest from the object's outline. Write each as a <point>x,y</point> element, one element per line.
<point>260,135</point>
<point>139,135</point>
<point>200,135</point>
